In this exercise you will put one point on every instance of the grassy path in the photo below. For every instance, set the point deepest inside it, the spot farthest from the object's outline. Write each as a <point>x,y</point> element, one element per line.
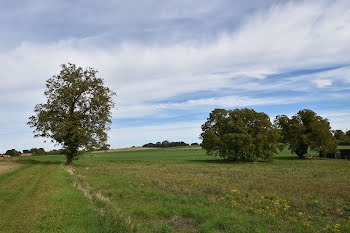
<point>39,197</point>
<point>23,204</point>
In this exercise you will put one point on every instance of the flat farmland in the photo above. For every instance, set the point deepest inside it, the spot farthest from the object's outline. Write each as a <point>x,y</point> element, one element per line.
<point>174,190</point>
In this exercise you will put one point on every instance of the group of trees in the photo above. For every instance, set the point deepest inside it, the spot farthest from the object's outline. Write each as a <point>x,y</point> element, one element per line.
<point>77,114</point>
<point>13,152</point>
<point>165,144</point>
<point>244,134</point>
<point>240,134</point>
<point>34,151</point>
<point>341,137</point>
<point>306,130</point>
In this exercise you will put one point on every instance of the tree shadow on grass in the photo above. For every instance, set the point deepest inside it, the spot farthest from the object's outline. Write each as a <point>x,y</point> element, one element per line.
<point>300,159</point>
<point>223,161</point>
<point>37,162</point>
<point>287,158</point>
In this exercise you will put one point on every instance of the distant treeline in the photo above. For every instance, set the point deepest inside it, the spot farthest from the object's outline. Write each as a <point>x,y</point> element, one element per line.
<point>33,151</point>
<point>168,144</point>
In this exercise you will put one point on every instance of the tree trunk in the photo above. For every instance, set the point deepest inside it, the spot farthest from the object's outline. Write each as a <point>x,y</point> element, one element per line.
<point>69,160</point>
<point>71,152</point>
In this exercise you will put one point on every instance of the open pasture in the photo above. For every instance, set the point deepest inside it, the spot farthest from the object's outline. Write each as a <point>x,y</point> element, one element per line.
<point>174,190</point>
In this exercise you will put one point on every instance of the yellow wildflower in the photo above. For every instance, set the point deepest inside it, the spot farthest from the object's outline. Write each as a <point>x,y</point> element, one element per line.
<point>336,227</point>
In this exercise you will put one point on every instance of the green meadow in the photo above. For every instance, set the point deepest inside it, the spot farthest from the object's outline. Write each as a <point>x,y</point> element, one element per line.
<point>173,190</point>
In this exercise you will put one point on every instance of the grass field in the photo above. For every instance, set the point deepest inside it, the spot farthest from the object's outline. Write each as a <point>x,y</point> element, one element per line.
<point>174,190</point>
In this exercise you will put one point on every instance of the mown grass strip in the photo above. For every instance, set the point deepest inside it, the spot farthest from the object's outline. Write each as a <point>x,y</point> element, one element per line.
<point>23,204</point>
<point>41,198</point>
<point>13,186</point>
<point>68,210</point>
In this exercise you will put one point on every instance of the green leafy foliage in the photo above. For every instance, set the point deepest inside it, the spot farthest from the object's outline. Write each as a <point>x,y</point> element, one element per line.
<point>307,129</point>
<point>341,137</point>
<point>13,152</point>
<point>37,151</point>
<point>77,112</point>
<point>165,144</point>
<point>240,134</point>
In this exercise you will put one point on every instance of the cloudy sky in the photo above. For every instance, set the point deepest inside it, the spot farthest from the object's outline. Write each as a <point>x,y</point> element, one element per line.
<point>173,61</point>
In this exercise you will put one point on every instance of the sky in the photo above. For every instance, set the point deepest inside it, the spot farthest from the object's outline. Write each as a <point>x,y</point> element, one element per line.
<point>172,62</point>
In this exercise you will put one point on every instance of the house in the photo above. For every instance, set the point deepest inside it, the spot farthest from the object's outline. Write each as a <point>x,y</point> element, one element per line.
<point>340,154</point>
<point>26,154</point>
<point>344,153</point>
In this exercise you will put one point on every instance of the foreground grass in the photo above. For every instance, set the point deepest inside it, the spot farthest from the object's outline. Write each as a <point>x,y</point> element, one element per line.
<point>39,197</point>
<point>175,190</point>
<point>169,193</point>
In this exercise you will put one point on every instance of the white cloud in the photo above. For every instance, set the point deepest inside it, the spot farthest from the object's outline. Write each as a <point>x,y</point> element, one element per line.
<point>322,82</point>
<point>338,119</point>
<point>21,140</point>
<point>137,111</point>
<point>286,37</point>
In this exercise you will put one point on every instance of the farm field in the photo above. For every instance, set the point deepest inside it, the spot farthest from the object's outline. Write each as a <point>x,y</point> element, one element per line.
<point>173,190</point>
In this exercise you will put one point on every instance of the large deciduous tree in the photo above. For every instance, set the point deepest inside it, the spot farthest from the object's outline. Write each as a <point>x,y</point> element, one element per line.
<point>77,112</point>
<point>306,130</point>
<point>240,134</point>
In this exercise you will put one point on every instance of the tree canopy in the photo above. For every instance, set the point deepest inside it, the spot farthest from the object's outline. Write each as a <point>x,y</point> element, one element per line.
<point>13,152</point>
<point>240,134</point>
<point>77,112</point>
<point>341,137</point>
<point>306,130</point>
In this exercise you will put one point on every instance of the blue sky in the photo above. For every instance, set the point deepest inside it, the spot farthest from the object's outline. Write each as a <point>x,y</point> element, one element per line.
<point>172,62</point>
